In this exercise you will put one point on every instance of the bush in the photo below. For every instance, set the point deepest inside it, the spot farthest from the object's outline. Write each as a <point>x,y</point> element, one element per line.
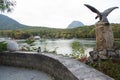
<point>78,51</point>
<point>30,41</point>
<point>3,46</point>
<point>109,68</point>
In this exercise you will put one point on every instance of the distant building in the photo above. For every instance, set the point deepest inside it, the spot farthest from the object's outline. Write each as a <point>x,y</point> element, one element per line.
<point>36,37</point>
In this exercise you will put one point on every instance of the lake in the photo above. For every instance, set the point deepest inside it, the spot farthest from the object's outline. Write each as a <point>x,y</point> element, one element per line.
<point>63,46</point>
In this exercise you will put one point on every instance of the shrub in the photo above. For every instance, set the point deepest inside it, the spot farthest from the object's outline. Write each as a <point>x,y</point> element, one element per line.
<point>78,51</point>
<point>3,46</point>
<point>30,41</point>
<point>109,68</point>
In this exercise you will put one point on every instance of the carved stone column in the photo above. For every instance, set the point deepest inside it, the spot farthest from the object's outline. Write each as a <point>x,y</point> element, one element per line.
<point>104,36</point>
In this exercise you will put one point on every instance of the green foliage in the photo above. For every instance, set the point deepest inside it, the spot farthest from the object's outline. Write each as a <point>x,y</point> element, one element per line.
<point>78,51</point>
<point>3,46</point>
<point>6,5</point>
<point>117,40</point>
<point>19,34</point>
<point>109,68</point>
<point>30,41</point>
<point>53,33</point>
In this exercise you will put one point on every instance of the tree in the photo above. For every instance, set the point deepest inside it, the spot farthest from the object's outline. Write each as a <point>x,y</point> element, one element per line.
<point>6,5</point>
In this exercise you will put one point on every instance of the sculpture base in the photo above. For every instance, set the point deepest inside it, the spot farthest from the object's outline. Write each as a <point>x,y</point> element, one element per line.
<point>104,36</point>
<point>96,56</point>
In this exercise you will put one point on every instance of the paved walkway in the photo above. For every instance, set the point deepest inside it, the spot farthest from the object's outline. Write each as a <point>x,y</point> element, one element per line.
<point>12,73</point>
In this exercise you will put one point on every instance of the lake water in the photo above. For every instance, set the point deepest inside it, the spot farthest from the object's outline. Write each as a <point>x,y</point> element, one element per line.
<point>63,46</point>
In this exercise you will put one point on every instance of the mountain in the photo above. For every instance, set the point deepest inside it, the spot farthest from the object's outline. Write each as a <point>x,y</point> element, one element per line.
<point>75,24</point>
<point>7,23</point>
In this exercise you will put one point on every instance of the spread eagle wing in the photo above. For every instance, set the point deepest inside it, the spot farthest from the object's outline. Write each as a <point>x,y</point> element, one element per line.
<point>107,11</point>
<point>92,9</point>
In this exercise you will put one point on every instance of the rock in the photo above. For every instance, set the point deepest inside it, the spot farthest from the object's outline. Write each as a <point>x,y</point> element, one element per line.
<point>110,53</point>
<point>103,57</point>
<point>90,60</point>
<point>117,53</point>
<point>12,45</point>
<point>93,55</point>
<point>103,52</point>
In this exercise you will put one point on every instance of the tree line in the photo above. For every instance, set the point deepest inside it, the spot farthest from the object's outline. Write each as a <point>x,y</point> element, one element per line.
<point>54,33</point>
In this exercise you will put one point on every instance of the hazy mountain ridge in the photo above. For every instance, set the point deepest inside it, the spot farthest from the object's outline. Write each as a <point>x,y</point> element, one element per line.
<point>7,23</point>
<point>75,24</point>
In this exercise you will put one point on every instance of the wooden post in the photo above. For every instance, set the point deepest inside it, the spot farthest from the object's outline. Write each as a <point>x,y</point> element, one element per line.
<point>104,36</point>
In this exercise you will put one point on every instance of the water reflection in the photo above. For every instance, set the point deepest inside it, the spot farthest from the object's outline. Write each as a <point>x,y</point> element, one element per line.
<point>64,45</point>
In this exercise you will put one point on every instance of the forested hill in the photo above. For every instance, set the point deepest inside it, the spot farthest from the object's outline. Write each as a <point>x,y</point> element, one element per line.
<point>7,23</point>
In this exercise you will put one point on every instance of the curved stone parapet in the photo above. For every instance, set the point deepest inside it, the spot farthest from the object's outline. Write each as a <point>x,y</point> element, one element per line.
<point>58,66</point>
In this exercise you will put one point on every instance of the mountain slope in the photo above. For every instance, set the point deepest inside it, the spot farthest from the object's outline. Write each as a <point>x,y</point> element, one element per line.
<point>8,23</point>
<point>75,24</point>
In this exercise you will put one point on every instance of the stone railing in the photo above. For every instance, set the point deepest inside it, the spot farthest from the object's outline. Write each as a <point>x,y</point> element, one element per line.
<point>58,66</point>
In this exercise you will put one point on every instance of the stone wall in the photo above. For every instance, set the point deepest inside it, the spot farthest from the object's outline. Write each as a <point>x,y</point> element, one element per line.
<point>58,66</point>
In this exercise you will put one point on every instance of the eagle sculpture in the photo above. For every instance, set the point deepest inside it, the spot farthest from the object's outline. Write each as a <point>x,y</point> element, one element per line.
<point>101,15</point>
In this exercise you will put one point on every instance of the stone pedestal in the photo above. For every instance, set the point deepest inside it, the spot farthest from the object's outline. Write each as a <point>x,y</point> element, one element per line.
<point>105,47</point>
<point>104,36</point>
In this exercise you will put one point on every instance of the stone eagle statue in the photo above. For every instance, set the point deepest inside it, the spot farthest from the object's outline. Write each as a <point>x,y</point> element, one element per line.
<point>101,15</point>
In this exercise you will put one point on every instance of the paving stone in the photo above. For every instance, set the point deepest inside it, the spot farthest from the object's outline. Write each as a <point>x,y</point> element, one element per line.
<point>12,73</point>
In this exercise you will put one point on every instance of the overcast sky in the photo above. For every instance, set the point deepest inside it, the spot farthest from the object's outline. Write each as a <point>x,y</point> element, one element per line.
<point>60,13</point>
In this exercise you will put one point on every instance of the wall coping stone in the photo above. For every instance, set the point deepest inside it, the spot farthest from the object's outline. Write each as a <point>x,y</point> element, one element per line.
<point>76,69</point>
